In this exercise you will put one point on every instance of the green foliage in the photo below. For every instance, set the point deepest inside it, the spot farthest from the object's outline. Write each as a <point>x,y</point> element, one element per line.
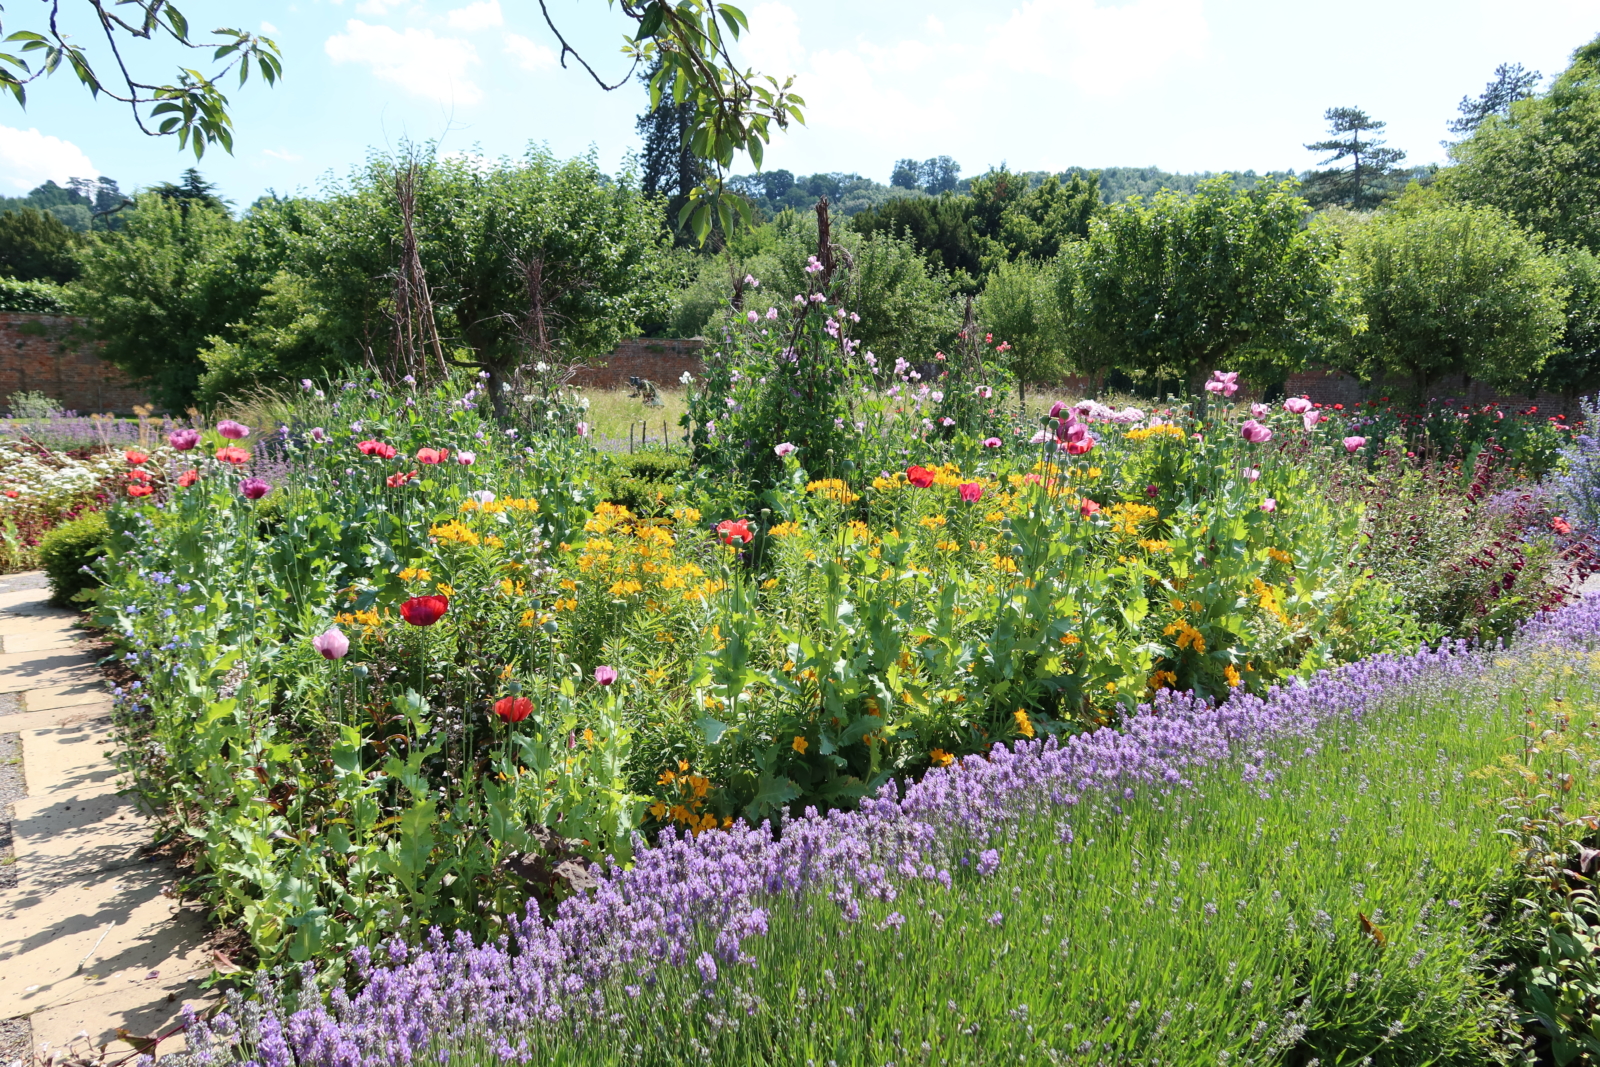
<point>1449,288</point>
<point>905,307</point>
<point>525,260</point>
<point>648,482</point>
<point>1180,286</point>
<point>1536,163</point>
<point>66,552</point>
<point>1574,366</point>
<point>1018,307</point>
<point>939,227</point>
<point>33,298</point>
<point>157,293</point>
<point>35,246</point>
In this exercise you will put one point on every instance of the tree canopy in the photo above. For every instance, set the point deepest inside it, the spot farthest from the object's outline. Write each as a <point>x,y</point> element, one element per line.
<point>1451,288</point>
<point>1537,163</point>
<point>1176,287</point>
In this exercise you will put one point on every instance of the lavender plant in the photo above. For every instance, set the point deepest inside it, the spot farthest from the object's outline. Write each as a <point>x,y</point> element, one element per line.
<point>1310,874</point>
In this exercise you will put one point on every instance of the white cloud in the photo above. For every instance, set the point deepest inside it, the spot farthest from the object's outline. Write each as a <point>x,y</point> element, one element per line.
<point>483,15</point>
<point>1100,49</point>
<point>267,27</point>
<point>934,26</point>
<point>29,158</point>
<point>772,44</point>
<point>286,156</point>
<point>377,7</point>
<point>427,65</point>
<point>530,55</point>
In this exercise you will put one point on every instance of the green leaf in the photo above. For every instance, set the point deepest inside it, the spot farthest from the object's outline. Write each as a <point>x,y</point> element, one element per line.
<point>713,729</point>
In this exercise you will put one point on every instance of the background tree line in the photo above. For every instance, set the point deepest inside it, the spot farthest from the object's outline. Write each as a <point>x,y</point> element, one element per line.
<point>1484,268</point>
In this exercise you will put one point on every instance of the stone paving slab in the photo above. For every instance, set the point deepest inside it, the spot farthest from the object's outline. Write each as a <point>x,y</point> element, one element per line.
<point>45,670</point>
<point>62,697</point>
<point>90,940</point>
<point>54,622</point>
<point>45,639</point>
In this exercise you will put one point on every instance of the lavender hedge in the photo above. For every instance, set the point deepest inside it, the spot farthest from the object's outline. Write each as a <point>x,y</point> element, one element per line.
<point>695,904</point>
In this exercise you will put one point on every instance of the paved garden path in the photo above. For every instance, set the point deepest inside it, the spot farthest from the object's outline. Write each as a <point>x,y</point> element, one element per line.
<point>90,939</point>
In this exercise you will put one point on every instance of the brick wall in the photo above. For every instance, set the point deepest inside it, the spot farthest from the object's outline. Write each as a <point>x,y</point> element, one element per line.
<point>1336,387</point>
<point>661,361</point>
<point>45,354</point>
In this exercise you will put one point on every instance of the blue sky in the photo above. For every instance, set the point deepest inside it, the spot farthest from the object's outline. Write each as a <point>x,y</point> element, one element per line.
<point>1042,84</point>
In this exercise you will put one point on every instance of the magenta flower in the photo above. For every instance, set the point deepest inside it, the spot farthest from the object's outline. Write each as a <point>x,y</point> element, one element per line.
<point>1261,411</point>
<point>1057,408</point>
<point>784,449</point>
<point>183,439</point>
<point>1310,419</point>
<point>1251,473</point>
<point>1297,405</point>
<point>1225,383</point>
<point>332,644</point>
<point>233,431</point>
<point>1351,444</point>
<point>605,675</point>
<point>1270,504</point>
<point>254,488</point>
<point>971,492</point>
<point>1254,432</point>
<point>991,442</point>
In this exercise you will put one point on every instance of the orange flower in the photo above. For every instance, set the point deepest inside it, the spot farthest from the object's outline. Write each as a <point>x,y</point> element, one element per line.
<point>140,490</point>
<point>188,478</point>
<point>233,454</point>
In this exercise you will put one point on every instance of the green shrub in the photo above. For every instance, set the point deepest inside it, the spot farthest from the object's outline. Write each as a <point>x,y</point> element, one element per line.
<point>66,550</point>
<point>647,480</point>
<point>38,298</point>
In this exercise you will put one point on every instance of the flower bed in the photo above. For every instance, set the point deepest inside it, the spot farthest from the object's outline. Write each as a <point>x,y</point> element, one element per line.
<point>844,935</point>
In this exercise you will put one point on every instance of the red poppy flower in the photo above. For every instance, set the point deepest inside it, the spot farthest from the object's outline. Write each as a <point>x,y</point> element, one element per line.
<point>140,490</point>
<point>432,455</point>
<point>188,478</point>
<point>1088,507</point>
<point>424,610</point>
<point>920,476</point>
<point>377,448</point>
<point>12,493</point>
<point>1561,526</point>
<point>729,531</point>
<point>513,709</point>
<point>395,481</point>
<point>138,476</point>
<point>135,457</point>
<point>233,454</point>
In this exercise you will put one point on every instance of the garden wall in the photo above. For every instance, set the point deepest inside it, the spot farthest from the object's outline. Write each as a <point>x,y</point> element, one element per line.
<point>49,355</point>
<point>661,361</point>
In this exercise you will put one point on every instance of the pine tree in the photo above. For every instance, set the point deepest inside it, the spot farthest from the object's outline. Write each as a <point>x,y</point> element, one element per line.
<point>1511,83</point>
<point>1369,160</point>
<point>670,169</point>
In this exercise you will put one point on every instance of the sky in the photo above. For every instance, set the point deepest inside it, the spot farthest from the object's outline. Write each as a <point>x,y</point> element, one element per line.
<point>1185,85</point>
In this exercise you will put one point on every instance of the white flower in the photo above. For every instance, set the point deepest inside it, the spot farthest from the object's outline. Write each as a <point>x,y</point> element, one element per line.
<point>784,449</point>
<point>482,496</point>
<point>684,380</point>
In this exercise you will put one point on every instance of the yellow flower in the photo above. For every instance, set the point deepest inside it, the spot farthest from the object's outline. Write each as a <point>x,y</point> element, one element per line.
<point>784,529</point>
<point>1280,555</point>
<point>413,572</point>
<point>1230,674</point>
<point>1166,430</point>
<point>1024,724</point>
<point>686,516</point>
<point>941,758</point>
<point>1153,545</point>
<point>446,589</point>
<point>770,583</point>
<point>1162,679</point>
<point>658,809</point>
<point>588,736</point>
<point>833,489</point>
<point>800,745</point>
<point>931,521</point>
<point>1071,639</point>
<point>453,532</point>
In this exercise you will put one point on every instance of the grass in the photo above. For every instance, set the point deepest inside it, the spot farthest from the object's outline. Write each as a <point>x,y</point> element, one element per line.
<point>612,410</point>
<point>1335,901</point>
